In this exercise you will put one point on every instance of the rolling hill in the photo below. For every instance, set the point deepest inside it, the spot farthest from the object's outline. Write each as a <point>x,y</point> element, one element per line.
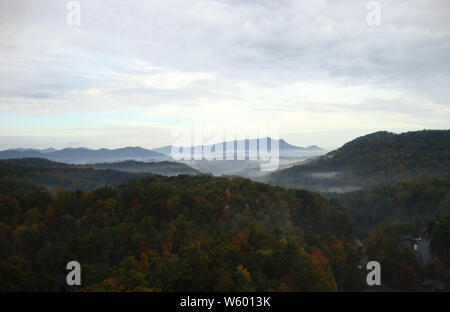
<point>421,198</point>
<point>370,160</point>
<point>54,175</point>
<point>180,233</point>
<point>164,168</point>
<point>86,177</point>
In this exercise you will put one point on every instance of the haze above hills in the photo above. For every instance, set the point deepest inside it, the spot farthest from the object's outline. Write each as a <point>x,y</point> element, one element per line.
<point>82,155</point>
<point>238,149</point>
<point>363,162</point>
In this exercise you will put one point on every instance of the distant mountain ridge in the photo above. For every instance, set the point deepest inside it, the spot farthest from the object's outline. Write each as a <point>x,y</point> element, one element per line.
<point>245,157</point>
<point>47,150</point>
<point>83,155</point>
<point>282,145</point>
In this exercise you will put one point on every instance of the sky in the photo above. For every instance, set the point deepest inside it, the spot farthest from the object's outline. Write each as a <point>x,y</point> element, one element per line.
<point>131,72</point>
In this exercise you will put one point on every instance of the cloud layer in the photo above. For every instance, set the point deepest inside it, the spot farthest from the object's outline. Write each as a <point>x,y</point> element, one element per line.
<point>311,66</point>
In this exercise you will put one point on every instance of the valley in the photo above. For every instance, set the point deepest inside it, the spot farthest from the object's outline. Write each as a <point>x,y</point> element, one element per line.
<point>166,219</point>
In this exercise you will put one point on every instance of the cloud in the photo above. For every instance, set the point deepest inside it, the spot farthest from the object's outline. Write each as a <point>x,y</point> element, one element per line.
<point>213,59</point>
<point>171,80</point>
<point>127,122</point>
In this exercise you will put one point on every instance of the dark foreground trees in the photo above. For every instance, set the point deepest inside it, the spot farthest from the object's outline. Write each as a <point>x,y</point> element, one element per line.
<point>176,234</point>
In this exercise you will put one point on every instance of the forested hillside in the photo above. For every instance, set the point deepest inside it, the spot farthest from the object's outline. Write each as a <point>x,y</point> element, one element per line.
<point>182,233</point>
<point>394,218</point>
<point>416,199</point>
<point>201,233</point>
<point>373,159</point>
<point>403,268</point>
<point>54,175</point>
<point>165,168</point>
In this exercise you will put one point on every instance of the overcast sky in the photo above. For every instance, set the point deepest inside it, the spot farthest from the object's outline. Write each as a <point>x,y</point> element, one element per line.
<point>134,70</point>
